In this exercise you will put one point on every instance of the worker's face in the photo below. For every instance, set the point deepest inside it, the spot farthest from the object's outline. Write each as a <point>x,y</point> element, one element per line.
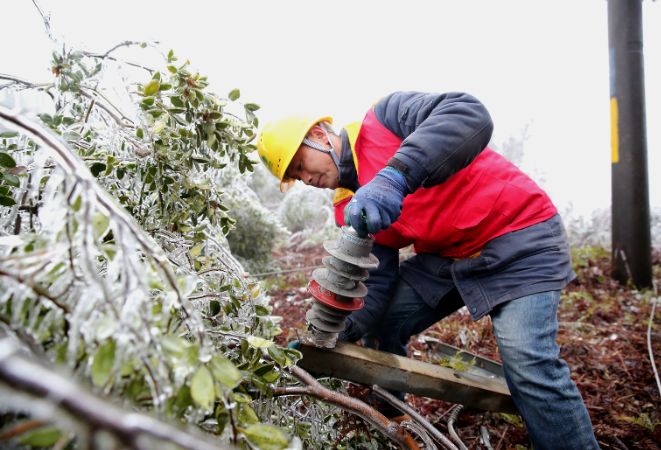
<point>313,167</point>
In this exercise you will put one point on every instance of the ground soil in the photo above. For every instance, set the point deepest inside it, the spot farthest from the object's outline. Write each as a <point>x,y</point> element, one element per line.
<point>602,337</point>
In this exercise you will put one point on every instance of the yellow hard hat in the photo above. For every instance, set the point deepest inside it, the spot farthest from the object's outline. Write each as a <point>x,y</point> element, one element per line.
<point>279,141</point>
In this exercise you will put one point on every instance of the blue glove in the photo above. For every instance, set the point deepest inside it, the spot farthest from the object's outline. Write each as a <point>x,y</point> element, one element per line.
<point>294,344</point>
<point>378,204</point>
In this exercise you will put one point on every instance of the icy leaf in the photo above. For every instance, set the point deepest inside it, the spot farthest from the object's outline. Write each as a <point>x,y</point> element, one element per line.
<point>201,388</point>
<point>266,437</point>
<point>71,136</point>
<point>261,310</point>
<point>278,355</point>
<point>187,284</point>
<point>224,371</point>
<point>192,355</point>
<point>259,342</point>
<point>195,251</point>
<point>173,346</point>
<point>254,290</point>
<point>158,128</point>
<point>7,161</point>
<point>41,437</point>
<point>103,362</point>
<point>100,224</point>
<point>234,94</point>
<point>97,168</point>
<point>140,133</point>
<point>8,134</point>
<point>247,415</point>
<point>152,87</point>
<point>214,306</point>
<point>172,69</point>
<point>271,376</point>
<point>251,106</point>
<point>12,180</point>
<point>240,397</point>
<point>7,201</point>
<point>105,328</point>
<point>303,429</point>
<point>182,401</point>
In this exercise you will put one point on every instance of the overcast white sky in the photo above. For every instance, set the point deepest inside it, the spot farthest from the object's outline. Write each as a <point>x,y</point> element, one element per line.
<point>527,61</point>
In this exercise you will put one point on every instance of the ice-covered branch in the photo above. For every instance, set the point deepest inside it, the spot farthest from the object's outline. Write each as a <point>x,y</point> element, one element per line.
<point>314,389</point>
<point>20,374</point>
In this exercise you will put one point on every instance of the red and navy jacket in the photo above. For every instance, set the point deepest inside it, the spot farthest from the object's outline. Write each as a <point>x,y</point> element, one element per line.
<point>462,195</point>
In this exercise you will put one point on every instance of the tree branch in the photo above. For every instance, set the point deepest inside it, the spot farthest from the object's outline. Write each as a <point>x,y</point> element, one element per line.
<point>21,374</point>
<point>75,168</point>
<point>314,389</point>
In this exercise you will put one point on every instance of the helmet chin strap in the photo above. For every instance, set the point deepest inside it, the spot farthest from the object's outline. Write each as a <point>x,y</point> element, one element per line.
<point>321,148</point>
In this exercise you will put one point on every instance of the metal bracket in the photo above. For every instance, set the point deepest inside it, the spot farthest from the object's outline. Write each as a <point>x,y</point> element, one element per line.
<point>367,366</point>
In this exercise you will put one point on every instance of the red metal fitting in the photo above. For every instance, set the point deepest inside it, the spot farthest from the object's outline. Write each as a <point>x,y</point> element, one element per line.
<point>328,298</point>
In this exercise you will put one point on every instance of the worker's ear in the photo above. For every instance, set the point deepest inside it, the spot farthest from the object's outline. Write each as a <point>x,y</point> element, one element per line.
<point>318,135</point>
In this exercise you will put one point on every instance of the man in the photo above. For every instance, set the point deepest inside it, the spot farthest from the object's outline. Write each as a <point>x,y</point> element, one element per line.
<point>417,170</point>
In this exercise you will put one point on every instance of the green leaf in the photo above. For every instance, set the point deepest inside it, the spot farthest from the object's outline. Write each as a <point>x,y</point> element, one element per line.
<point>303,429</point>
<point>195,251</point>
<point>11,134</point>
<point>166,86</point>
<point>176,101</point>
<point>172,69</point>
<point>224,371</point>
<point>251,106</point>
<point>100,224</point>
<point>214,308</point>
<point>41,437</point>
<point>240,397</point>
<point>12,180</point>
<point>259,342</point>
<point>234,94</point>
<point>152,88</point>
<point>140,133</point>
<point>277,355</point>
<point>173,346</point>
<point>266,437</point>
<point>103,362</point>
<point>262,310</point>
<point>149,101</point>
<point>97,168</point>
<point>7,161</point>
<point>7,201</point>
<point>71,136</point>
<point>247,415</point>
<point>201,388</point>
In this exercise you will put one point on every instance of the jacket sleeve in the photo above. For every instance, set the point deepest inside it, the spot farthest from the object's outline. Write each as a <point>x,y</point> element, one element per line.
<point>380,285</point>
<point>441,133</point>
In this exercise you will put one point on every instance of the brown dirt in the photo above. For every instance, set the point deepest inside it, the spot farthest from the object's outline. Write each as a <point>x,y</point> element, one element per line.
<point>602,338</point>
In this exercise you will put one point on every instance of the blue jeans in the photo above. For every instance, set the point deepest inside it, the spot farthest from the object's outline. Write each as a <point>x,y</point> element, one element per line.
<point>525,329</point>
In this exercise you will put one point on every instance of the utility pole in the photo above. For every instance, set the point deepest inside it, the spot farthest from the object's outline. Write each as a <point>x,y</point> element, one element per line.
<point>632,245</point>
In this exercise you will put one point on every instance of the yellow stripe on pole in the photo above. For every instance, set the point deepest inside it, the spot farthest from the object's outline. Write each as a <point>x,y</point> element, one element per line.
<point>615,134</point>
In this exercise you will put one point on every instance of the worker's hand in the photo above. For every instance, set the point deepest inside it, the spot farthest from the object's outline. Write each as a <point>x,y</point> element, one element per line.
<point>378,204</point>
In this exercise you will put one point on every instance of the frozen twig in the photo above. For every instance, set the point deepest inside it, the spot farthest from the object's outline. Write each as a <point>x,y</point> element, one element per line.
<point>314,389</point>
